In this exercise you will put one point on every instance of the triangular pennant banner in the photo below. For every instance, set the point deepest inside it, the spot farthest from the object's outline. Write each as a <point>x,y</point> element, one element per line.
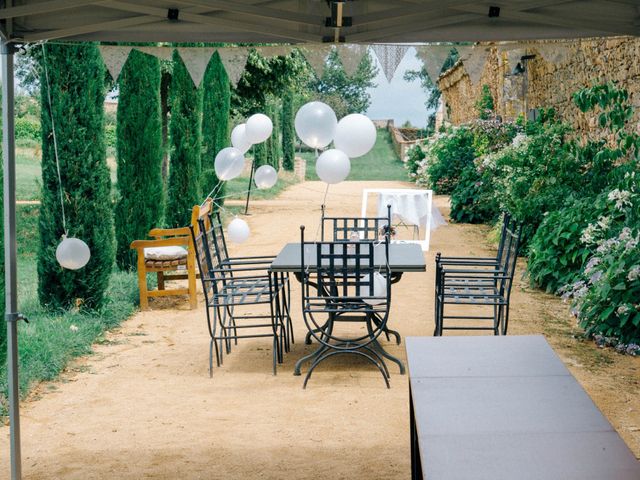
<point>114,58</point>
<point>351,55</point>
<point>390,57</point>
<point>556,53</point>
<point>473,59</point>
<point>433,58</point>
<point>196,60</point>
<point>163,53</point>
<point>316,55</point>
<point>234,61</point>
<point>275,51</point>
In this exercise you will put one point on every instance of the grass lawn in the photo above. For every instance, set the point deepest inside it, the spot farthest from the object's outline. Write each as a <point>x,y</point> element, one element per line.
<point>381,163</point>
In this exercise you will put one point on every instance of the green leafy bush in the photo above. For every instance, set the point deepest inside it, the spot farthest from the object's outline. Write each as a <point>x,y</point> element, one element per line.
<point>446,156</point>
<point>556,253</point>
<point>414,162</point>
<point>473,199</point>
<point>27,129</point>
<point>606,299</point>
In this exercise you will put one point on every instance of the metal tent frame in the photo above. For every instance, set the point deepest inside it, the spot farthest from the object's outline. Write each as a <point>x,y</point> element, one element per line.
<point>267,21</point>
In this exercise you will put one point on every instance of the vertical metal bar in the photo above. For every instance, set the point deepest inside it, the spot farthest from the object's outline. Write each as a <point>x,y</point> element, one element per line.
<point>10,268</point>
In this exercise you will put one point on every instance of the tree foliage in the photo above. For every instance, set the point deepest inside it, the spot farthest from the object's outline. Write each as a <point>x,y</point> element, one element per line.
<point>345,94</point>
<point>186,141</point>
<point>288,131</point>
<point>77,92</point>
<point>139,154</point>
<point>216,103</point>
<point>264,78</point>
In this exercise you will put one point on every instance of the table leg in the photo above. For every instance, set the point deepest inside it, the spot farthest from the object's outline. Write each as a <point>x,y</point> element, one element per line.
<point>416,462</point>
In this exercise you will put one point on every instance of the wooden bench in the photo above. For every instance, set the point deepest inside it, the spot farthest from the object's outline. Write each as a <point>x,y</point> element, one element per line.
<point>505,408</point>
<point>185,265</point>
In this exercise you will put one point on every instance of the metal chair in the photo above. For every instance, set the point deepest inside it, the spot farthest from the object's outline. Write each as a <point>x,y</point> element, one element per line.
<point>341,289</point>
<point>345,229</point>
<point>262,263</point>
<point>228,290</point>
<point>482,282</point>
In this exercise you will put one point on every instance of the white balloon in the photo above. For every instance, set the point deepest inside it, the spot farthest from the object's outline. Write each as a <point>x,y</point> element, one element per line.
<point>316,124</point>
<point>229,163</point>
<point>265,177</point>
<point>333,166</point>
<point>355,135</point>
<point>72,253</point>
<point>239,138</point>
<point>259,128</point>
<point>238,230</point>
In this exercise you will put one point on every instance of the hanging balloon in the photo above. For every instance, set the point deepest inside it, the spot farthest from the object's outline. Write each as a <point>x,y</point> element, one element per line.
<point>238,230</point>
<point>72,253</point>
<point>259,128</point>
<point>265,177</point>
<point>333,166</point>
<point>229,163</point>
<point>316,124</point>
<point>355,135</point>
<point>239,138</point>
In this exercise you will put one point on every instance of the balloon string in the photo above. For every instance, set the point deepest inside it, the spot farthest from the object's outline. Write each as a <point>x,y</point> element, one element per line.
<point>55,141</point>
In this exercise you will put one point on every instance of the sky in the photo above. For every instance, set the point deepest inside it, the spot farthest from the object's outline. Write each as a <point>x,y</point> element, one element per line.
<point>399,100</point>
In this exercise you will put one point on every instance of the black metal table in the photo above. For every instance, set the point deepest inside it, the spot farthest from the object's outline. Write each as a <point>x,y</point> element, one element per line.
<point>403,258</point>
<point>503,408</point>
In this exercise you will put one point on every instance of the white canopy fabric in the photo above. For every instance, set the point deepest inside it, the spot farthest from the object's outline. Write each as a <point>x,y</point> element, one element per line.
<point>303,21</point>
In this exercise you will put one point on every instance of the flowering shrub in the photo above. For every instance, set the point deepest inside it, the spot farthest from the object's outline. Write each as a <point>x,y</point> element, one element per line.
<point>606,297</point>
<point>556,252</point>
<point>446,156</point>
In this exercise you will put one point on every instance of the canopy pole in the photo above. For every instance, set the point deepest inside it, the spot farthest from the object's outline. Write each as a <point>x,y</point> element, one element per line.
<point>10,270</point>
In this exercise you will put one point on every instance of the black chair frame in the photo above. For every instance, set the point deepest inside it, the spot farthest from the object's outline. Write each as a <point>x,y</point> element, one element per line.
<point>228,289</point>
<point>482,282</point>
<point>341,289</point>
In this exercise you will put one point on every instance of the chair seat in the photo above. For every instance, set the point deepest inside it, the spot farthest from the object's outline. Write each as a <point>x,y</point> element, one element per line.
<point>466,294</point>
<point>239,291</point>
<point>166,264</point>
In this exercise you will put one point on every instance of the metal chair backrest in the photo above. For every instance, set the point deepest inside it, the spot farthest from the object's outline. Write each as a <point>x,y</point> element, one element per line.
<point>217,241</point>
<point>366,228</point>
<point>509,257</point>
<point>345,272</point>
<point>506,222</point>
<point>203,257</point>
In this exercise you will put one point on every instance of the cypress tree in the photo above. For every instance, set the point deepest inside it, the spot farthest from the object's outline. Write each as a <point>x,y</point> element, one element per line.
<point>273,158</point>
<point>288,131</point>
<point>261,154</point>
<point>216,103</point>
<point>139,154</point>
<point>186,141</point>
<point>77,91</point>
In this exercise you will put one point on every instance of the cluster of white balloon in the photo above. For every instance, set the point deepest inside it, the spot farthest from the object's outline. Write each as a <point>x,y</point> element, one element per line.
<point>230,161</point>
<point>353,136</point>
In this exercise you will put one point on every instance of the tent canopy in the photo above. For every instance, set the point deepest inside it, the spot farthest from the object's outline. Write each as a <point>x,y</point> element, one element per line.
<point>304,21</point>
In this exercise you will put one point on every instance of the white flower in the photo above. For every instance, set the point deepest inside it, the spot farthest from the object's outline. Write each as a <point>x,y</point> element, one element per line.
<point>591,264</point>
<point>634,273</point>
<point>73,328</point>
<point>621,197</point>
<point>519,140</point>
<point>604,222</point>
<point>622,309</point>
<point>588,234</point>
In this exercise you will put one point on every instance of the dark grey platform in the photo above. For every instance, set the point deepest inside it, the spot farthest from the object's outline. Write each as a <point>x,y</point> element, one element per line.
<point>403,257</point>
<point>506,408</point>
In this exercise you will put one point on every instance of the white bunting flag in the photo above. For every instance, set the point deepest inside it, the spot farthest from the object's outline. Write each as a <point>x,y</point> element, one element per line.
<point>389,57</point>
<point>114,58</point>
<point>433,58</point>
<point>316,55</point>
<point>474,59</point>
<point>351,55</point>
<point>196,60</point>
<point>234,61</point>
<point>163,53</point>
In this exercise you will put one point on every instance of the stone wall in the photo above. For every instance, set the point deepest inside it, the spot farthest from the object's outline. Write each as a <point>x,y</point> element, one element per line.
<point>547,84</point>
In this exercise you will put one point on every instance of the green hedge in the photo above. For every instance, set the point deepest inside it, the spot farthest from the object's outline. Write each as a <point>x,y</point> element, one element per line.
<point>28,129</point>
